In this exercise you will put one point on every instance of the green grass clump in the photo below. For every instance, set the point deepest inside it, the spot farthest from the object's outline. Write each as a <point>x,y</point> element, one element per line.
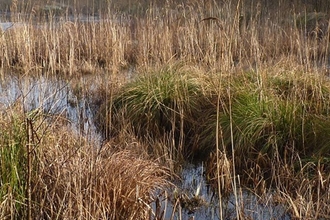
<point>269,126</point>
<point>13,166</point>
<point>166,102</point>
<point>275,116</point>
<point>289,115</point>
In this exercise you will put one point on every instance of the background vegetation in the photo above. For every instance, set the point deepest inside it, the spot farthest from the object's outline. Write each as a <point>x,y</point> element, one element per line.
<point>130,6</point>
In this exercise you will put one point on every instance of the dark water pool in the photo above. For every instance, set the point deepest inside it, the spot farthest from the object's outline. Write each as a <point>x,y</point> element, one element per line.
<point>193,184</point>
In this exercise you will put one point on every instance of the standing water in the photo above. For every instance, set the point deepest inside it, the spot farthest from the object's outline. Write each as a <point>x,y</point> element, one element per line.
<point>195,199</point>
<point>191,198</point>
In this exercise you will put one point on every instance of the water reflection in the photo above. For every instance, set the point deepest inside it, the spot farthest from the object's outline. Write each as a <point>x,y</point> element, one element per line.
<point>4,26</point>
<point>251,206</point>
<point>53,97</point>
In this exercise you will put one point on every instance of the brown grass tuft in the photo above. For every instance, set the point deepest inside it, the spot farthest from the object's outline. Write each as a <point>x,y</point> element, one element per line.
<point>77,180</point>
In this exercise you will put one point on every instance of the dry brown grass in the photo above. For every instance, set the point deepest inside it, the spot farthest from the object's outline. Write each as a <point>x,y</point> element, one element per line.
<point>302,189</point>
<point>306,193</point>
<point>77,180</point>
<point>70,178</point>
<point>216,37</point>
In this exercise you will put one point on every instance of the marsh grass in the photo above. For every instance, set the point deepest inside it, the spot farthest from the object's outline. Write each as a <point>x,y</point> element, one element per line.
<point>272,127</point>
<point>254,101</point>
<point>185,32</point>
<point>305,192</point>
<point>266,121</point>
<point>313,24</point>
<point>276,136</point>
<point>66,177</point>
<point>13,166</point>
<point>92,186</point>
<point>164,103</point>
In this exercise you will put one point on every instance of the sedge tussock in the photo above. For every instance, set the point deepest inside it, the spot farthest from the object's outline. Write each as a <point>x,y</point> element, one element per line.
<point>69,177</point>
<point>167,101</point>
<point>96,183</point>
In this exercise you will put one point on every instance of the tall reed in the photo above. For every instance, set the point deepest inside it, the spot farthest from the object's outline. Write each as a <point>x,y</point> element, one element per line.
<point>215,36</point>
